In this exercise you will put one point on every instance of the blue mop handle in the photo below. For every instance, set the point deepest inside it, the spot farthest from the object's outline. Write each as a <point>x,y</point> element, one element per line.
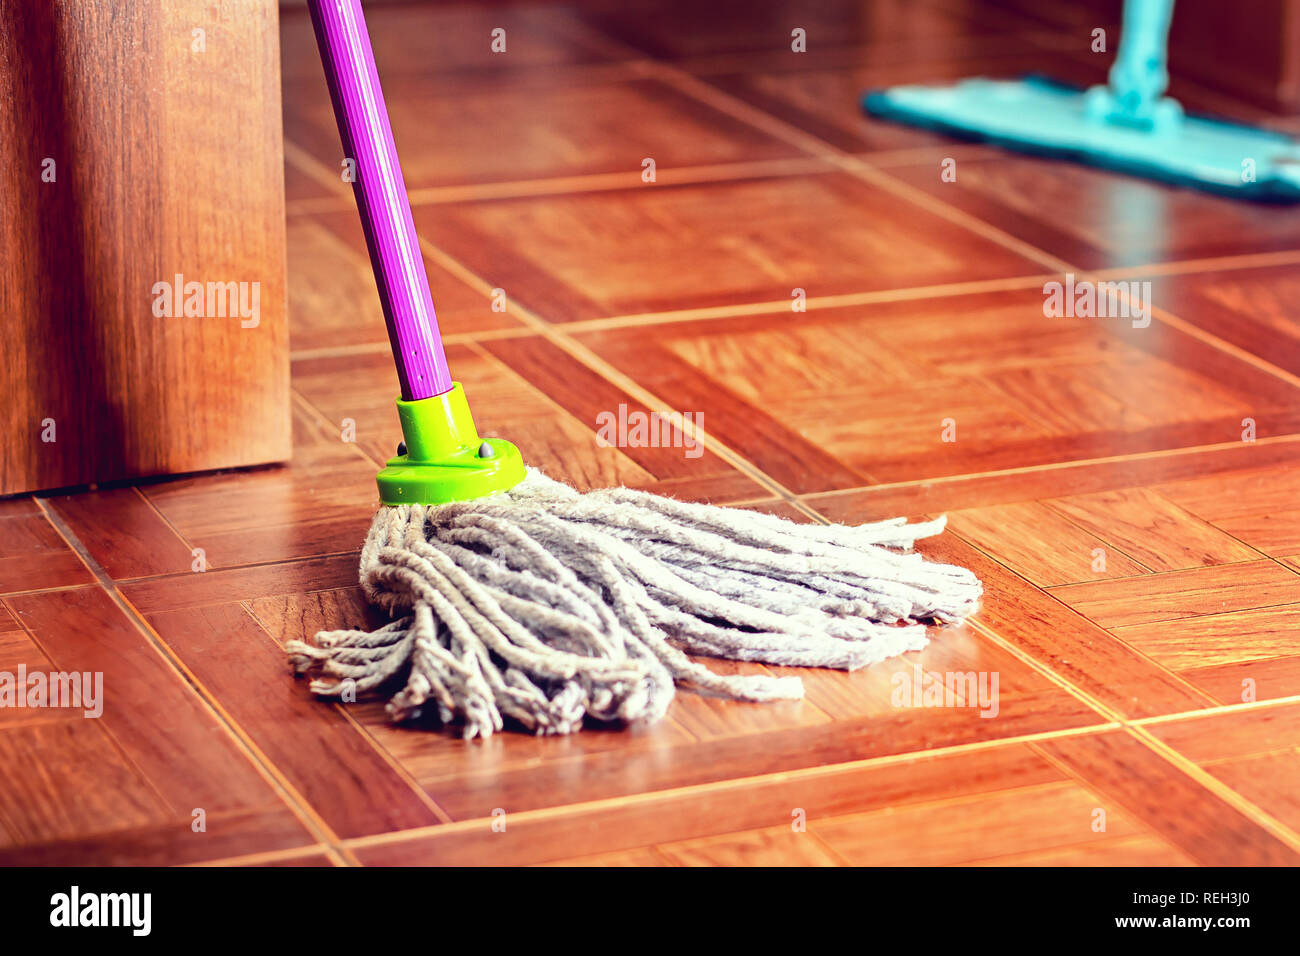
<point>1139,76</point>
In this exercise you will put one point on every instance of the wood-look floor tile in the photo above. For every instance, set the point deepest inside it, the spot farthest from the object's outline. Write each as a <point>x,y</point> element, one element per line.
<point>1183,594</point>
<point>1070,478</point>
<point>19,506</point>
<point>672,456</point>
<point>518,771</point>
<point>302,182</point>
<point>17,648</point>
<point>177,841</point>
<point>982,680</point>
<point>1121,851</point>
<point>424,750</point>
<point>615,771</point>
<point>324,756</point>
<point>297,615</point>
<point>676,816</point>
<point>775,846</point>
<point>474,128</point>
<point>1130,777</point>
<point>176,592</point>
<point>908,390</point>
<point>320,503</point>
<point>333,302</point>
<point>66,778</point>
<point>733,26</point>
<point>1254,309</point>
<point>125,536</point>
<point>1270,781</point>
<point>963,830</point>
<point>585,256</point>
<point>1041,545</point>
<point>1276,533</point>
<point>153,714</point>
<point>420,38</point>
<point>1071,646</point>
<point>33,555</point>
<point>1153,530</point>
<point>706,717</point>
<point>538,397</point>
<point>1246,681</point>
<point>821,93</point>
<point>640,856</point>
<point>1097,219</point>
<point>1238,733</point>
<point>1237,636</point>
<point>504,405</point>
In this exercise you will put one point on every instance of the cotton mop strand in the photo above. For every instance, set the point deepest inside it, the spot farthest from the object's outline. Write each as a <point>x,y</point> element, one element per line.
<point>514,596</point>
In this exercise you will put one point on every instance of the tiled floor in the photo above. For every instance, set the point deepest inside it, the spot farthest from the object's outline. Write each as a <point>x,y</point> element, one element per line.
<point>1141,559</point>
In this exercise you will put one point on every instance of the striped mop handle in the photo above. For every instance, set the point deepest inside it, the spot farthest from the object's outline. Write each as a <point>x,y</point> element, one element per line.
<point>380,191</point>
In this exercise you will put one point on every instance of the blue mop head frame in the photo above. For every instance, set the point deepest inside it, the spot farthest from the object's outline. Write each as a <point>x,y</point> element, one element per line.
<point>1127,126</point>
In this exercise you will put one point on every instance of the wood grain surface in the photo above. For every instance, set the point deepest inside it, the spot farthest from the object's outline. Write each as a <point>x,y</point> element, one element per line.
<point>166,161</point>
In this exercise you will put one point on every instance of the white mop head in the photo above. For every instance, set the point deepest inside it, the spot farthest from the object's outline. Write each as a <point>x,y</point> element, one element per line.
<point>545,605</point>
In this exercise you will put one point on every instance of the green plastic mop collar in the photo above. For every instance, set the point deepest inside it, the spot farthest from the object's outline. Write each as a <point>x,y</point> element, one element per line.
<point>445,458</point>
<point>1128,125</point>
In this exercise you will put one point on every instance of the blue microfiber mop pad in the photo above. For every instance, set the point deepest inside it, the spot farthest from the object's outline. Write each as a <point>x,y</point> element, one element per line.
<point>1038,116</point>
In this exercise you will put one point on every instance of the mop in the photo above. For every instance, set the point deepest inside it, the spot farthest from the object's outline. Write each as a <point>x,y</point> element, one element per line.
<point>1127,125</point>
<point>514,597</point>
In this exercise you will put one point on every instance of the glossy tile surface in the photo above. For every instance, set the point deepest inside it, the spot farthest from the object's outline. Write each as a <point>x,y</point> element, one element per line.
<point>859,339</point>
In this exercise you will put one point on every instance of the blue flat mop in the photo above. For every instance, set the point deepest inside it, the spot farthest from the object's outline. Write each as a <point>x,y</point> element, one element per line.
<point>1128,125</point>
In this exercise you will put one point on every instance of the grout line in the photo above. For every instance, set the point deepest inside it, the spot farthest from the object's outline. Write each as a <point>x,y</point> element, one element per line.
<point>780,306</point>
<point>346,713</point>
<point>1218,710</point>
<point>1249,260</point>
<point>1067,684</point>
<point>149,503</point>
<point>1248,808</point>
<point>269,856</point>
<point>559,337</point>
<point>327,428</point>
<point>1060,466</point>
<point>383,348</point>
<point>596,363</point>
<point>1220,789</point>
<point>1211,614</point>
<point>1103,797</point>
<point>317,171</point>
<point>1105,843</point>
<point>1046,671</point>
<point>1153,574</point>
<point>1222,345</point>
<point>285,562</point>
<point>849,163</point>
<point>673,316</point>
<point>665,177</point>
<point>300,807</point>
<point>830,851</point>
<point>113,742</point>
<point>591,360</point>
<point>652,796</point>
<point>1288,750</point>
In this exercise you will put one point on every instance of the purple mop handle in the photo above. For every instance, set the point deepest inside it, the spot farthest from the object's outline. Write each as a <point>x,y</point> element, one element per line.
<point>380,191</point>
